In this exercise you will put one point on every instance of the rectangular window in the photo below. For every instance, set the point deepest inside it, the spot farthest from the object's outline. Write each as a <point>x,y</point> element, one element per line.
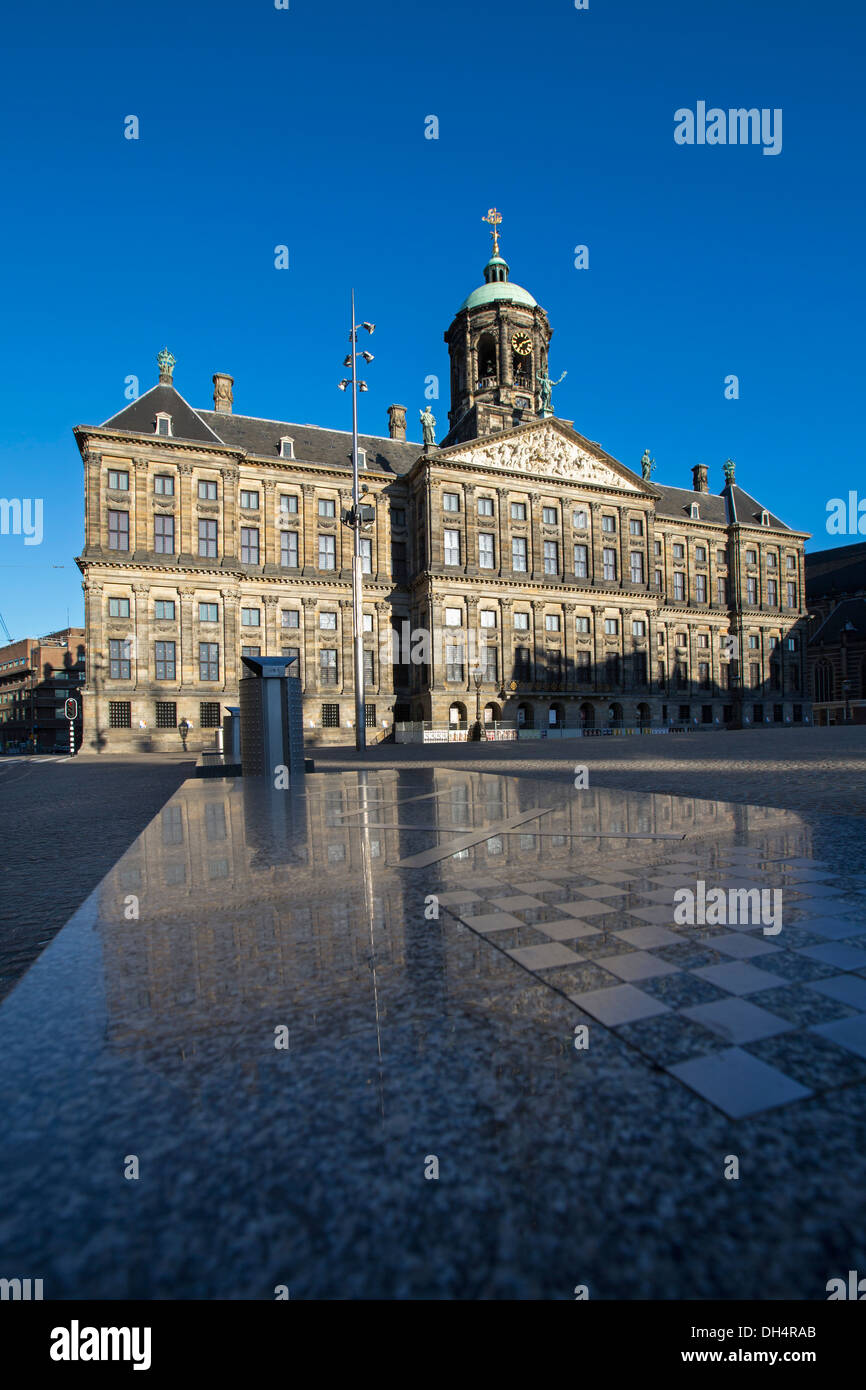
<point>636,566</point>
<point>608,523</point>
<point>751,589</point>
<point>659,579</point>
<point>751,557</point>
<point>790,562</point>
<point>638,628</point>
<point>118,530</point>
<point>551,622</point>
<point>518,511</point>
<point>582,664</point>
<point>521,622</point>
<point>327,506</point>
<point>551,557</point>
<point>579,520</point>
<point>772,593</point>
<point>118,480</point>
<point>369,671</point>
<point>581,624</point>
<point>450,502</point>
<point>208,661</point>
<point>370,716</point>
<point>328,665</point>
<point>292,654</point>
<point>519,553</point>
<point>327,552</point>
<point>164,608</point>
<point>166,714</point>
<point>679,551</point>
<point>118,608</point>
<point>330,716</point>
<point>207,490</point>
<point>485,506</point>
<point>791,595</point>
<point>700,554</point>
<point>721,557</point>
<point>679,586</point>
<point>207,539</point>
<point>608,556</point>
<point>398,516</point>
<point>485,550</point>
<point>366,555</point>
<point>635,526</point>
<point>611,626</point>
<point>491,665</point>
<point>163,535</point>
<point>208,612</point>
<point>328,622</point>
<point>453,617</point>
<point>700,588</point>
<point>251,651</point>
<point>163,485</point>
<point>289,549</point>
<point>454,661</point>
<point>549,516</point>
<point>249,545</point>
<point>703,639</point>
<point>366,622</point>
<point>119,714</point>
<point>754,674</point>
<point>581,561</point>
<point>165,661</point>
<point>722,590</point>
<point>251,617</point>
<point>290,617</point>
<point>772,560</point>
<point>119,659</point>
<point>452,547</point>
<point>289,503</point>
<point>249,501</point>
<point>488,617</point>
<point>657,548</point>
<point>521,663</point>
<point>398,561</point>
<point>704,675</point>
<point>209,714</point>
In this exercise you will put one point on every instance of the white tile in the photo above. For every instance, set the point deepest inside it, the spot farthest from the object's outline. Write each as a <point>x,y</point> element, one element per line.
<point>584,907</point>
<point>737,977</point>
<point>492,921</point>
<point>848,989</point>
<point>619,1004</point>
<point>544,956</point>
<point>836,953</point>
<point>649,938</point>
<point>847,1032</point>
<point>516,902</point>
<point>566,929</point>
<point>737,1020</point>
<point>740,946</point>
<point>636,965</point>
<point>832,928</point>
<point>738,1083</point>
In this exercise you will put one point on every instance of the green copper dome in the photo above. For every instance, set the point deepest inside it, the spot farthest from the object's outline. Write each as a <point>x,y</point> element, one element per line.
<point>497,286</point>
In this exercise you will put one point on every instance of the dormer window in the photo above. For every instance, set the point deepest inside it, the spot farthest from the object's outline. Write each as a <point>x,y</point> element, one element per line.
<point>765,518</point>
<point>287,447</point>
<point>163,423</point>
<point>696,512</point>
<point>362,458</point>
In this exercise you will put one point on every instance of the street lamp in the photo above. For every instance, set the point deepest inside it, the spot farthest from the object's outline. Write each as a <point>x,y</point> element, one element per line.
<point>354,519</point>
<point>477,676</point>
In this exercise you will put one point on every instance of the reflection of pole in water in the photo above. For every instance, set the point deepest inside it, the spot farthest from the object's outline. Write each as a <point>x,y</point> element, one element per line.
<point>367,871</point>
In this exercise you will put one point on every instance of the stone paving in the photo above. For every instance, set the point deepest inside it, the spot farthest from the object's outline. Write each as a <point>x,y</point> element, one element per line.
<point>806,769</point>
<point>64,822</point>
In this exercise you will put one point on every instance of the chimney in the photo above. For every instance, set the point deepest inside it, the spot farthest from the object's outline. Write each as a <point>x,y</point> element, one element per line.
<point>699,476</point>
<point>222,393</point>
<point>397,421</point>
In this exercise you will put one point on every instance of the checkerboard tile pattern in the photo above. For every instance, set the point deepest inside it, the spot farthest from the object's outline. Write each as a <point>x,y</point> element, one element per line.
<point>747,1020</point>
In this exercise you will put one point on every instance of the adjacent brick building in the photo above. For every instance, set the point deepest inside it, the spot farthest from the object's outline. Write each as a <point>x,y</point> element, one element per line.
<point>584,592</point>
<point>836,594</point>
<point>37,676</point>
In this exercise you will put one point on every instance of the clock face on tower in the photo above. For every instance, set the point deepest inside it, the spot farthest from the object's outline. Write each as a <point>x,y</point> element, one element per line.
<point>522,344</point>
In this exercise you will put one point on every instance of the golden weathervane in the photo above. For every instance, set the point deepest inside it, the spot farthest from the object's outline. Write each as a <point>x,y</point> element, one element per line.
<point>494,218</point>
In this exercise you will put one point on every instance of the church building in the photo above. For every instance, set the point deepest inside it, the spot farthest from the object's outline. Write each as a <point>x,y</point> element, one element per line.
<point>554,586</point>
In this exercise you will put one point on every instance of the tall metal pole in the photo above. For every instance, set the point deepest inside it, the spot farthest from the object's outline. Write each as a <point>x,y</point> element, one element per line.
<point>357,587</point>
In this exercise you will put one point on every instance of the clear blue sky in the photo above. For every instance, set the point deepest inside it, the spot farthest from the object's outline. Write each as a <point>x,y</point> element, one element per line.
<point>305,127</point>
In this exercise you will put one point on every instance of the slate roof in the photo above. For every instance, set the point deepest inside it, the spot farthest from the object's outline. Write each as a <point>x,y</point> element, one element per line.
<point>139,416</point>
<point>841,570</point>
<point>850,613</point>
<point>725,508</point>
<point>311,444</point>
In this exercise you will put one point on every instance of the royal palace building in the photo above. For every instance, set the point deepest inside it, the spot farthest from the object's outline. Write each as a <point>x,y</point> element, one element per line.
<point>514,566</point>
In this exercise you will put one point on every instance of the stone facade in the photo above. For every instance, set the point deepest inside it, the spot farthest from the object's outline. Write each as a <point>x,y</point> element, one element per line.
<point>588,593</point>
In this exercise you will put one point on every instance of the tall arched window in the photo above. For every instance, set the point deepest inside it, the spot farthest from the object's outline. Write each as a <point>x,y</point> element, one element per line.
<point>823,681</point>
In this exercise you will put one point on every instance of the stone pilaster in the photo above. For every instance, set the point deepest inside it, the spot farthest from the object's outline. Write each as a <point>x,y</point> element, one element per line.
<point>140,526</point>
<point>536,559</point>
<point>311,658</point>
<point>187,540</point>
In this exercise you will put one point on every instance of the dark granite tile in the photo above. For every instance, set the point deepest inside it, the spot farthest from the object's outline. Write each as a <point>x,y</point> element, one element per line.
<point>800,1005</point>
<point>811,1060</point>
<point>669,1039</point>
<point>683,990</point>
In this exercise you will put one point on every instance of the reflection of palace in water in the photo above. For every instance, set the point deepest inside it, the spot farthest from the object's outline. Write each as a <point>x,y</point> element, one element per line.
<point>255,900</point>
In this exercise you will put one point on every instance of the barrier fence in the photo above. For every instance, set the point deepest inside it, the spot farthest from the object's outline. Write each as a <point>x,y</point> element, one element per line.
<point>426,732</point>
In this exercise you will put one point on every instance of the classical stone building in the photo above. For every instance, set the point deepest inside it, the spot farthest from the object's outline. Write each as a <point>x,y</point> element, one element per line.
<point>577,590</point>
<point>836,595</point>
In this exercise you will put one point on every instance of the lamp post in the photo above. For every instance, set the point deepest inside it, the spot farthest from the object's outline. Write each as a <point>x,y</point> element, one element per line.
<point>477,676</point>
<point>353,519</point>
